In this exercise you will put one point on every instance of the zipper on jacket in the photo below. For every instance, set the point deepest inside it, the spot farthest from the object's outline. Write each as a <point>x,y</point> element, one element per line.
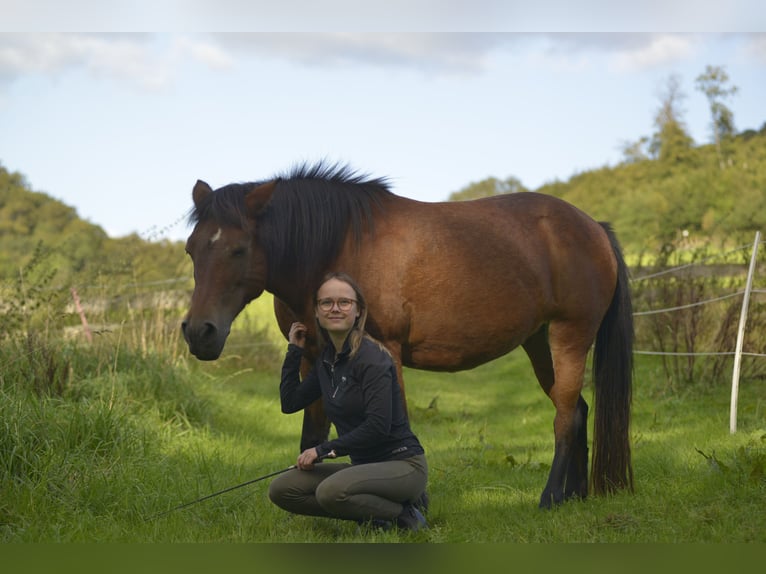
<point>332,378</point>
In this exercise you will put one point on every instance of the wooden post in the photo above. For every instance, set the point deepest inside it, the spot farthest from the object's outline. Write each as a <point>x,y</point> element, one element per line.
<point>77,305</point>
<point>741,337</point>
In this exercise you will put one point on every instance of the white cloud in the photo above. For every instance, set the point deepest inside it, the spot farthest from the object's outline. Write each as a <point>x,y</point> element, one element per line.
<point>206,53</point>
<point>623,52</point>
<point>145,60</point>
<point>150,61</point>
<point>461,52</point>
<point>659,50</point>
<point>125,56</point>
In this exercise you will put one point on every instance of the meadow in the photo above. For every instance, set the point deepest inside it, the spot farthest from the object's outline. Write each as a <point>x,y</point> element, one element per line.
<point>98,438</point>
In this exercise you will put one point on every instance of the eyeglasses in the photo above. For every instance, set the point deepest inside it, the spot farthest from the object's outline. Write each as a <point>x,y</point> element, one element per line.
<point>327,304</point>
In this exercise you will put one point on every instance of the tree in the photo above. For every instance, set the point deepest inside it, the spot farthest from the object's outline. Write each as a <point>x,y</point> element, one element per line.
<point>32,221</point>
<point>487,188</point>
<point>713,83</point>
<point>671,142</point>
<point>633,151</point>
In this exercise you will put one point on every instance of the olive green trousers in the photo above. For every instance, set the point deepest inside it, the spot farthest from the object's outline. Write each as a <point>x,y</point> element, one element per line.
<point>347,491</point>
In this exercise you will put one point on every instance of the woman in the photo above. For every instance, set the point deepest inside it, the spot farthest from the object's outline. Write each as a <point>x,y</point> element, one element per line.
<point>356,379</point>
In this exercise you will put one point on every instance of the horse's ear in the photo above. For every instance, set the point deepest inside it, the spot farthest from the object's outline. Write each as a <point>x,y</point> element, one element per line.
<point>257,198</point>
<point>200,192</point>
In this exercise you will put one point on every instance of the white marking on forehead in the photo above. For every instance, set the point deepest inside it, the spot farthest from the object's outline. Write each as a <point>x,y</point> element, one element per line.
<point>216,237</point>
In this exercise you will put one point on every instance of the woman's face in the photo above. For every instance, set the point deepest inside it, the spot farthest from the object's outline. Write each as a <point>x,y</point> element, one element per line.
<point>337,308</point>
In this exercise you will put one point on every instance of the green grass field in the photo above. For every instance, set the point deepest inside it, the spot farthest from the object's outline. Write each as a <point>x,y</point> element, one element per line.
<point>123,442</point>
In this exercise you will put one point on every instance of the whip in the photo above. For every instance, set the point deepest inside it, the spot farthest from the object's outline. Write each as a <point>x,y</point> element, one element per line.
<point>180,506</point>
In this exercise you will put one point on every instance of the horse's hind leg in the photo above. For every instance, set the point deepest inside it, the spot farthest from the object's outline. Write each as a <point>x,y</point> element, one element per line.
<point>577,471</point>
<point>569,470</point>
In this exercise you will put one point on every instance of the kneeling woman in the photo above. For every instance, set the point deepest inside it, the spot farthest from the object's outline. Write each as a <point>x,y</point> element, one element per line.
<point>356,379</point>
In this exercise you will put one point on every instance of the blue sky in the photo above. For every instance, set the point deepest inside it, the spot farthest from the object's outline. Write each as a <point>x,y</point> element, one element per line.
<point>120,125</point>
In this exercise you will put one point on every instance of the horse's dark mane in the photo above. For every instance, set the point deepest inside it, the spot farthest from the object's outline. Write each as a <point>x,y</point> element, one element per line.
<point>304,224</point>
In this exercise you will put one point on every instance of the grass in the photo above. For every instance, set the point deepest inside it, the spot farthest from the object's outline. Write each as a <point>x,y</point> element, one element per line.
<point>97,437</point>
<point>91,463</point>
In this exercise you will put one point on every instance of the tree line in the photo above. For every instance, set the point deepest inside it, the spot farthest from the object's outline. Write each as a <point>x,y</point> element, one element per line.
<point>34,225</point>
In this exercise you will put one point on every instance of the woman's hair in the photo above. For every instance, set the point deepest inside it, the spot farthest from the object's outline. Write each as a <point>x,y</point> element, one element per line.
<point>357,331</point>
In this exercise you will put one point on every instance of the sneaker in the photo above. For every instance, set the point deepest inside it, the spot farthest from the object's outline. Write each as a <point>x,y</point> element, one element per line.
<point>421,503</point>
<point>411,519</point>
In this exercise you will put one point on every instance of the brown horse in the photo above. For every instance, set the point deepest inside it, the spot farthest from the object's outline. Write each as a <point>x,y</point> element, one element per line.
<point>449,286</point>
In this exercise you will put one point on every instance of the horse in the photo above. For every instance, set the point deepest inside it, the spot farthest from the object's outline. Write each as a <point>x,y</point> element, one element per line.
<point>449,286</point>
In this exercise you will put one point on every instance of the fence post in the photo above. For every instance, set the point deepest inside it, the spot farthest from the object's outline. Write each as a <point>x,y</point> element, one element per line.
<point>741,337</point>
<point>81,312</point>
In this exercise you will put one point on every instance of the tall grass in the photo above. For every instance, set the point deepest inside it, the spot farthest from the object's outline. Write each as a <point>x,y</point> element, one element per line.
<point>92,412</point>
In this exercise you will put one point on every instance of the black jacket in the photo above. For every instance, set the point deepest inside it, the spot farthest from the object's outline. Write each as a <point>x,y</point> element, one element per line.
<point>361,397</point>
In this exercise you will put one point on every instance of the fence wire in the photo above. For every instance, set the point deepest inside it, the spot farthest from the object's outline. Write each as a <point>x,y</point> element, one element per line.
<point>695,264</point>
<point>688,306</point>
<point>685,266</point>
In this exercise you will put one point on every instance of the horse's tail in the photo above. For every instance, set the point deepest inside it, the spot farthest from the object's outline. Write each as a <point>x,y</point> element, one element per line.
<point>611,468</point>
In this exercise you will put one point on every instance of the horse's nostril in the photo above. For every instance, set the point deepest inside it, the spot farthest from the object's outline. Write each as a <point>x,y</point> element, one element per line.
<point>210,329</point>
<point>199,332</point>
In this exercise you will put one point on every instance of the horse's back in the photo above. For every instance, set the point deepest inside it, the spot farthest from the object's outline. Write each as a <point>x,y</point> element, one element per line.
<point>464,282</point>
<point>521,241</point>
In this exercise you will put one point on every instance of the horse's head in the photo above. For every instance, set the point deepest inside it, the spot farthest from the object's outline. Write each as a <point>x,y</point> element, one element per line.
<point>229,265</point>
<point>253,236</point>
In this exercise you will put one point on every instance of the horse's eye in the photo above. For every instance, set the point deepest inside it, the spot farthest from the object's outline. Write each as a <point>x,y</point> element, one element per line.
<point>238,251</point>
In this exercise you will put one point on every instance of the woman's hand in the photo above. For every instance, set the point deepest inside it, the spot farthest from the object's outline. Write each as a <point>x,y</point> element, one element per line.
<point>297,335</point>
<point>307,459</point>
<point>310,456</point>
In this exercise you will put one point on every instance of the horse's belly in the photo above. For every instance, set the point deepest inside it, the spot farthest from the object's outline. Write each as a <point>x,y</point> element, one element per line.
<point>449,356</point>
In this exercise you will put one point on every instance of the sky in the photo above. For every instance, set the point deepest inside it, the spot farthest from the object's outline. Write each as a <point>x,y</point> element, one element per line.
<point>119,113</point>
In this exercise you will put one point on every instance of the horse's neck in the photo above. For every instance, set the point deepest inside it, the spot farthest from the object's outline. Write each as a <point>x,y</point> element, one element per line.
<point>291,294</point>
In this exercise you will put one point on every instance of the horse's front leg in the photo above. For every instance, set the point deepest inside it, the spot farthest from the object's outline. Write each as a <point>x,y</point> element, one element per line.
<point>316,425</point>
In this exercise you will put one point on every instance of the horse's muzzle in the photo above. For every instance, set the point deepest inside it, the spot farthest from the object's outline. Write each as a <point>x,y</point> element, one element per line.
<point>204,338</point>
